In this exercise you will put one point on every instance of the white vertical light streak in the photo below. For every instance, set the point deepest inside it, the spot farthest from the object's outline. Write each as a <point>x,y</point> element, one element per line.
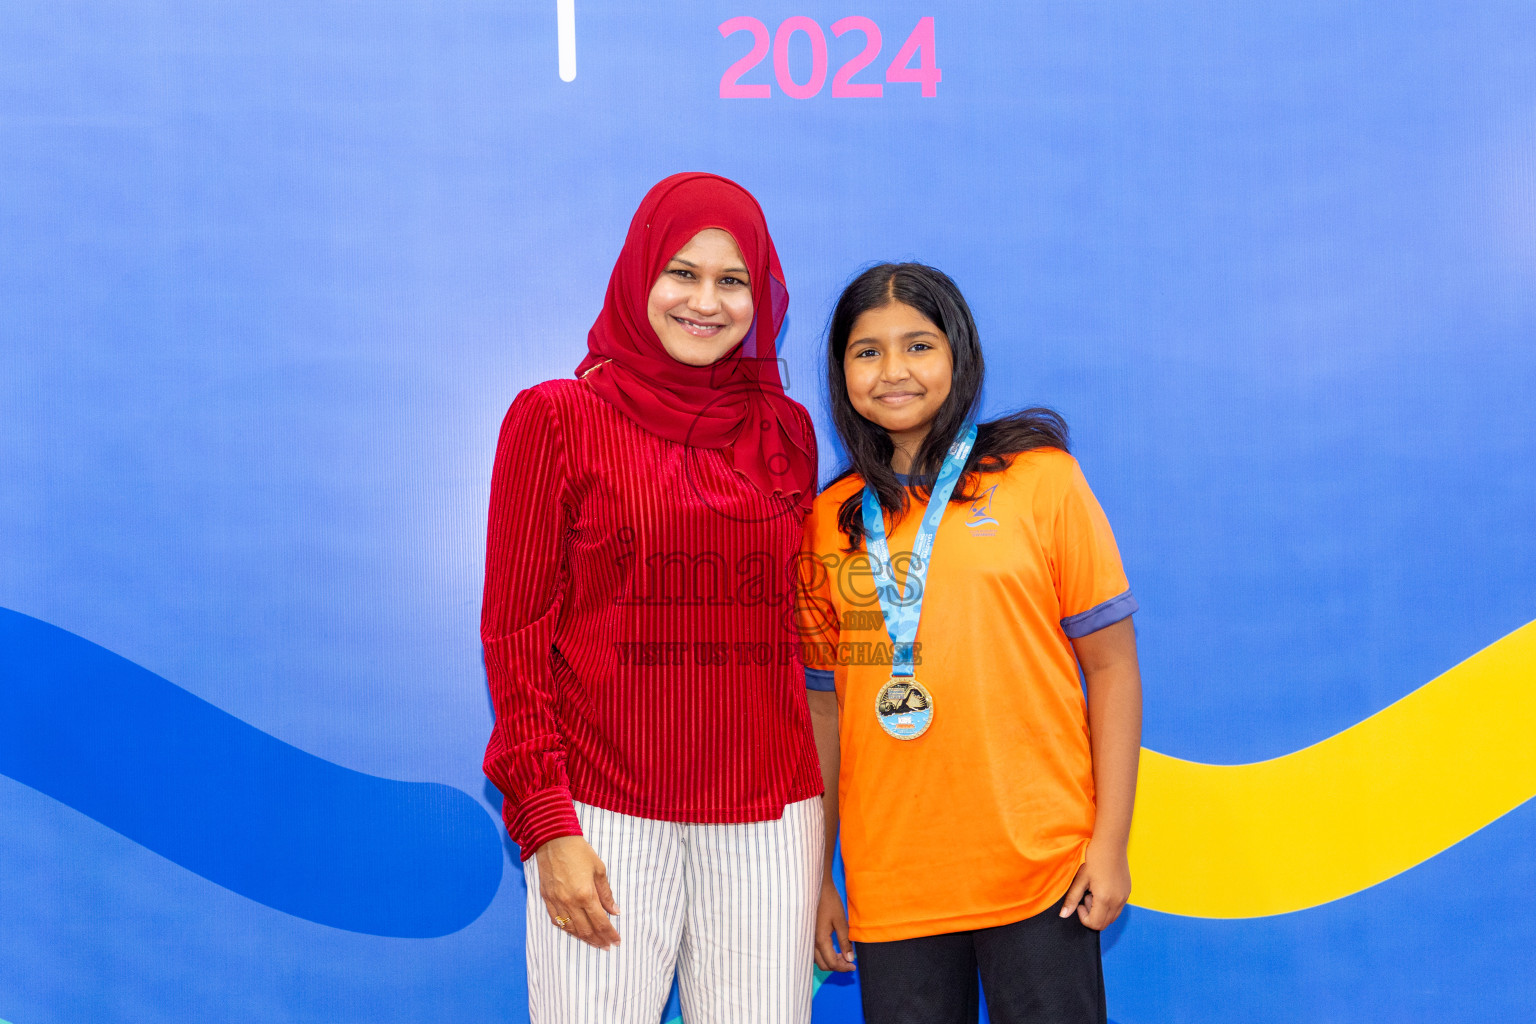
<point>565,15</point>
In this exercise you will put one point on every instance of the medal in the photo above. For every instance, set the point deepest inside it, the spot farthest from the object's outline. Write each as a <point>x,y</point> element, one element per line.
<point>904,707</point>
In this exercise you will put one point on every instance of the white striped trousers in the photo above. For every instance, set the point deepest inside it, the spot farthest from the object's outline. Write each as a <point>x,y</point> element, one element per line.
<point>731,908</point>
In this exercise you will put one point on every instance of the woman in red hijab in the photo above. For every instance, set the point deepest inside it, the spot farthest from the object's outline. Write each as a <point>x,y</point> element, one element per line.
<point>652,740</point>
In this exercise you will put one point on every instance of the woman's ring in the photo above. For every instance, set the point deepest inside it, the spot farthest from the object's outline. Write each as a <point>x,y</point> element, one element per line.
<point>563,921</point>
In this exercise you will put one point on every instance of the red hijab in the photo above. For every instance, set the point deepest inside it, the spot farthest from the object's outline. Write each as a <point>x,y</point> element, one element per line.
<point>737,404</point>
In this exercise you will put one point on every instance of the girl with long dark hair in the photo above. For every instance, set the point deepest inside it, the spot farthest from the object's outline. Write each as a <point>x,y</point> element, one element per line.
<point>957,578</point>
<point>643,515</point>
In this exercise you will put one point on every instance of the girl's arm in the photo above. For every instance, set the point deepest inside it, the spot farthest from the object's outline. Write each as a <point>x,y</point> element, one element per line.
<point>1108,659</point>
<point>819,631</point>
<point>831,918</point>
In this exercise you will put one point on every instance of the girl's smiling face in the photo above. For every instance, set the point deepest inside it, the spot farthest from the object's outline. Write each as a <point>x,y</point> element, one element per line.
<point>898,367</point>
<point>701,305</point>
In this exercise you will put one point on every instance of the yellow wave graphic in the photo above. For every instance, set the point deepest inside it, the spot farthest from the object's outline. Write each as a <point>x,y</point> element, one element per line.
<point>1341,815</point>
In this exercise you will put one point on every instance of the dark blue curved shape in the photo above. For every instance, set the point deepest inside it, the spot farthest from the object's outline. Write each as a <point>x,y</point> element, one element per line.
<point>237,806</point>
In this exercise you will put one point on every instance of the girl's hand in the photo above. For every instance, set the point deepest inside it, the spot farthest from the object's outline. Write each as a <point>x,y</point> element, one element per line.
<point>1100,887</point>
<point>834,951</point>
<point>574,885</point>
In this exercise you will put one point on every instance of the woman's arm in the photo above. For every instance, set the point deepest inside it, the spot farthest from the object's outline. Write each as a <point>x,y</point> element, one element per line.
<point>526,573</point>
<point>1108,660</point>
<point>834,952</point>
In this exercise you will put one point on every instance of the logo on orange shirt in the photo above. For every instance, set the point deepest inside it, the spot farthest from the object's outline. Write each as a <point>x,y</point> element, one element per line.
<point>980,513</point>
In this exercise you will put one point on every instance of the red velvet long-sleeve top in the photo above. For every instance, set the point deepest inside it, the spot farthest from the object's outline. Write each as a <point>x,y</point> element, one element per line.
<point>637,627</point>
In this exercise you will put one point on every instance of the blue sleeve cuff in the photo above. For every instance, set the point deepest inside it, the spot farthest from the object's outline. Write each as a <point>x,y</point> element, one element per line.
<point>819,679</point>
<point>1096,618</point>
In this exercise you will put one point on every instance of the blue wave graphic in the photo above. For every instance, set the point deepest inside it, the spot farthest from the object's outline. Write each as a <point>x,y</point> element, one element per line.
<point>239,807</point>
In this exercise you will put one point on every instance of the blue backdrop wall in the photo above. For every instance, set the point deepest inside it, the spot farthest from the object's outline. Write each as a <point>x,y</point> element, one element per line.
<point>270,274</point>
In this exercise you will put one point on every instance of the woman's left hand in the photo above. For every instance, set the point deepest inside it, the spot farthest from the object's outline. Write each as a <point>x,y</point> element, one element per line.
<point>1100,887</point>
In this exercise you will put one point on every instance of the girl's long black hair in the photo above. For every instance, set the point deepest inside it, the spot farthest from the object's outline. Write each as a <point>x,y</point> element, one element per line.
<point>869,447</point>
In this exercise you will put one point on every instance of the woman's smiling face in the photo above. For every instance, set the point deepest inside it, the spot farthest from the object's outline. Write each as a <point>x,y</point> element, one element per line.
<point>898,367</point>
<point>701,305</point>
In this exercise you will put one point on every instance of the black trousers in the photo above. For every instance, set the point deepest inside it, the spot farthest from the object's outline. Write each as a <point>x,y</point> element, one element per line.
<point>1042,970</point>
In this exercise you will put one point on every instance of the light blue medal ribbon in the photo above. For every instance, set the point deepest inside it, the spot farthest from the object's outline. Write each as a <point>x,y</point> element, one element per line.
<point>903,707</point>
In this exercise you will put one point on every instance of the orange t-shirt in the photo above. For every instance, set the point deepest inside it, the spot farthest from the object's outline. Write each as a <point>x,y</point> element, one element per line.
<point>983,819</point>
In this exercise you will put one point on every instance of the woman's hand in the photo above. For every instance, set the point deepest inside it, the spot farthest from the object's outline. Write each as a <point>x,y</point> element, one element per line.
<point>1100,887</point>
<point>834,951</point>
<point>574,885</point>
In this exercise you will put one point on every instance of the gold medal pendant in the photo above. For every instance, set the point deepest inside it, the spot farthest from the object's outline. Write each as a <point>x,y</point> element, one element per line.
<point>904,708</point>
